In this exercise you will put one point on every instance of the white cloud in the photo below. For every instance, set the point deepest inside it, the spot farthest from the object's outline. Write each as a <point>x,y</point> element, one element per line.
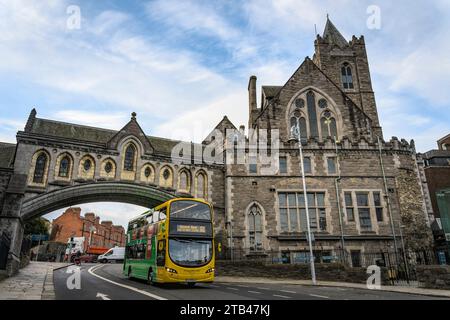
<point>195,125</point>
<point>116,120</point>
<point>120,69</point>
<point>193,16</point>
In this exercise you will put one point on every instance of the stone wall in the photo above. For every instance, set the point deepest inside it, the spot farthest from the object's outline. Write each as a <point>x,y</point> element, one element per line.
<point>416,232</point>
<point>324,272</point>
<point>436,277</point>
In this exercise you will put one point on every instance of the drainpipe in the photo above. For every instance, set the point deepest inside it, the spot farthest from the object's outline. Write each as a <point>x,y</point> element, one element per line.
<point>336,184</point>
<point>388,200</point>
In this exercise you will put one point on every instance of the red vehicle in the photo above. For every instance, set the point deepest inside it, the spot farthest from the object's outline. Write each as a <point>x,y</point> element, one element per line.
<point>92,254</point>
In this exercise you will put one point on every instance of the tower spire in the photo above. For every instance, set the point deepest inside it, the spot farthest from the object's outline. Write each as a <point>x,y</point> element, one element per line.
<point>333,34</point>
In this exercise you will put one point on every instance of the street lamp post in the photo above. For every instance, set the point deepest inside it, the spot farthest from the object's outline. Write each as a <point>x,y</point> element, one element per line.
<point>311,255</point>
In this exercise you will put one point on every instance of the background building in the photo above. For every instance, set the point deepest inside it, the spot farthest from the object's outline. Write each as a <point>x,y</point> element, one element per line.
<point>96,233</point>
<point>361,188</point>
<point>436,165</point>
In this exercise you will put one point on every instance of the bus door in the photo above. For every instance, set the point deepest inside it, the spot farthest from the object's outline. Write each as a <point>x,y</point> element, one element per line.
<point>161,253</point>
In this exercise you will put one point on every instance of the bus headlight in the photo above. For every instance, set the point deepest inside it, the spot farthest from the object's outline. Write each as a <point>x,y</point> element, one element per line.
<point>210,270</point>
<point>171,270</point>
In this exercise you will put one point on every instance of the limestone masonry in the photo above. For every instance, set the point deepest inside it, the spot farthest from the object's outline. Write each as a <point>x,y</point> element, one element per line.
<point>360,186</point>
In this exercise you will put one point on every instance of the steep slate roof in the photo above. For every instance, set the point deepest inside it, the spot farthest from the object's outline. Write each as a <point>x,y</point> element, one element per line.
<point>222,126</point>
<point>83,133</point>
<point>270,91</point>
<point>6,154</point>
<point>333,34</point>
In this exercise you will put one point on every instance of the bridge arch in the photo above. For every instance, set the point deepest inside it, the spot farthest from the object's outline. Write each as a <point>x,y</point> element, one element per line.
<point>146,196</point>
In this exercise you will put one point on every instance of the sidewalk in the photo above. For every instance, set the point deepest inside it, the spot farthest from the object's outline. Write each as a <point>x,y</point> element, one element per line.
<point>400,289</point>
<point>34,282</point>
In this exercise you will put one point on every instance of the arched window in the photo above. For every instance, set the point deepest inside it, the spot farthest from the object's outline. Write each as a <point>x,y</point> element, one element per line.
<point>328,125</point>
<point>130,153</point>
<point>347,77</point>
<point>166,177</point>
<point>255,227</point>
<point>39,169</point>
<point>64,167</point>
<point>183,184</point>
<point>303,129</point>
<point>201,186</point>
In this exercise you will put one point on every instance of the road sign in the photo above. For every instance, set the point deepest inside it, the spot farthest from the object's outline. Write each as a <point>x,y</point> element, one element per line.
<point>442,259</point>
<point>39,237</point>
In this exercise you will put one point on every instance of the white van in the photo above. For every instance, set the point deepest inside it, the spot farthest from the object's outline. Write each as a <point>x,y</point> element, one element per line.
<point>113,254</point>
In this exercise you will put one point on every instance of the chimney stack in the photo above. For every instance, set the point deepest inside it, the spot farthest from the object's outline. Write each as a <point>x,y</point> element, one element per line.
<point>251,99</point>
<point>252,93</point>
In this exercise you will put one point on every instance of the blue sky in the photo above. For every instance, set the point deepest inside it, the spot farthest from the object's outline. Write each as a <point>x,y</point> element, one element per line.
<point>182,65</point>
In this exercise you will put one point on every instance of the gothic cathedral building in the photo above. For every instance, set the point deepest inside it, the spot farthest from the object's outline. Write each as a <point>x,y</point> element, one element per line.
<point>363,191</point>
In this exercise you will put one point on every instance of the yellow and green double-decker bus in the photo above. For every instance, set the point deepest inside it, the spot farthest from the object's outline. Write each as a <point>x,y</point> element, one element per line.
<point>172,243</point>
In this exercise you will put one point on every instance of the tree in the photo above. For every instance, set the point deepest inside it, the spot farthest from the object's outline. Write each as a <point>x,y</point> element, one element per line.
<point>37,226</point>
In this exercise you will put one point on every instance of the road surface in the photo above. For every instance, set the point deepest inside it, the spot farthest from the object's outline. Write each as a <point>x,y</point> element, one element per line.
<point>105,281</point>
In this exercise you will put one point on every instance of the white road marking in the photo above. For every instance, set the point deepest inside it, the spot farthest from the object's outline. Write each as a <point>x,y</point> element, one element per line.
<point>257,292</point>
<point>277,295</point>
<point>229,288</point>
<point>319,296</point>
<point>287,291</point>
<point>103,296</point>
<point>241,285</point>
<point>260,288</point>
<point>154,296</point>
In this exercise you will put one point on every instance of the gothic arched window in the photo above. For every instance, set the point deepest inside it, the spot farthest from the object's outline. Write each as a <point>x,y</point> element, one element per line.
<point>303,128</point>
<point>255,228</point>
<point>166,177</point>
<point>201,186</point>
<point>328,125</point>
<point>130,153</point>
<point>64,167</point>
<point>183,183</point>
<point>347,77</point>
<point>39,169</point>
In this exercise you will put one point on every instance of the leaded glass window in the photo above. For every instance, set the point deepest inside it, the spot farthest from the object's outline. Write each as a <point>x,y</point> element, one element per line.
<point>39,169</point>
<point>64,167</point>
<point>130,154</point>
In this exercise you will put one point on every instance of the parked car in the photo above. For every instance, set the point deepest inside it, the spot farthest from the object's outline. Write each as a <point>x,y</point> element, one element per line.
<point>113,254</point>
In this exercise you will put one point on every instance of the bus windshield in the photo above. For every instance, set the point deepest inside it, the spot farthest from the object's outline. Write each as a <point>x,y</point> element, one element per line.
<point>187,209</point>
<point>190,252</point>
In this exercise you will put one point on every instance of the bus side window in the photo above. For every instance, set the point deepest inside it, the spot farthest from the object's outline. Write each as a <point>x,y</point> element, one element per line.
<point>155,216</point>
<point>150,219</point>
<point>162,214</point>
<point>161,255</point>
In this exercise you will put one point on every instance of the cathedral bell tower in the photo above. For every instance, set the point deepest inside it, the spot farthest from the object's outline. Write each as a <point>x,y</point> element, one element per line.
<point>346,64</point>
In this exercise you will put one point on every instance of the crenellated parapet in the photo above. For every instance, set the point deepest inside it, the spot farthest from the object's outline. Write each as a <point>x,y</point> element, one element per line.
<point>361,144</point>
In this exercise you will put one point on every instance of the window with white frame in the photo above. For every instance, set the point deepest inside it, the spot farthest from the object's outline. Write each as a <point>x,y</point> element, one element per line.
<point>378,206</point>
<point>349,208</point>
<point>365,206</point>
<point>292,211</point>
<point>331,165</point>
<point>255,227</point>
<point>283,164</point>
<point>307,165</point>
<point>362,201</point>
